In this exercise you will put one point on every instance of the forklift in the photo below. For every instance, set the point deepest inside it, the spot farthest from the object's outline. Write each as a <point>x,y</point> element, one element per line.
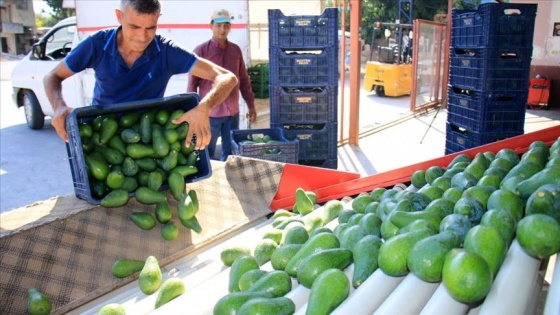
<point>391,74</point>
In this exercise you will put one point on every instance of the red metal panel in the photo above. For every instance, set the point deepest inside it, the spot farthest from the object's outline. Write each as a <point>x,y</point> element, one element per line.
<point>309,179</point>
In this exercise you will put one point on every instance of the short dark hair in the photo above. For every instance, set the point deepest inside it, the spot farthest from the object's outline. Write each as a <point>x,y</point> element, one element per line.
<point>142,6</point>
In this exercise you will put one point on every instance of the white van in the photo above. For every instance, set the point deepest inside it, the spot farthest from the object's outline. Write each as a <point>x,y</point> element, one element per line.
<point>27,76</point>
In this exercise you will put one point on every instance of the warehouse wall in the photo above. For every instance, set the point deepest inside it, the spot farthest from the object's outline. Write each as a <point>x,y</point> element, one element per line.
<point>258,21</point>
<point>546,47</point>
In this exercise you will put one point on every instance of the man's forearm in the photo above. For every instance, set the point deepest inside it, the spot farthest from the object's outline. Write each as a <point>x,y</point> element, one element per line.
<point>53,89</point>
<point>221,89</point>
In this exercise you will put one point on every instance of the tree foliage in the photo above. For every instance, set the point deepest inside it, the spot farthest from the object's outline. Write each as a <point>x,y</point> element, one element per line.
<point>388,11</point>
<point>45,20</point>
<point>59,12</point>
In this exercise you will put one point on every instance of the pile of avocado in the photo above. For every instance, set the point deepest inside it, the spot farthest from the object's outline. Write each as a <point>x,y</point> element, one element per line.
<point>135,150</point>
<point>451,224</point>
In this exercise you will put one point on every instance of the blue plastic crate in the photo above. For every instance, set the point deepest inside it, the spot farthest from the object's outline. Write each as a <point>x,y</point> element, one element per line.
<point>324,163</point>
<point>490,69</point>
<point>494,25</point>
<point>481,111</point>
<point>282,150</point>
<point>316,141</point>
<point>303,31</point>
<point>490,58</point>
<point>82,187</point>
<point>459,139</point>
<point>303,105</point>
<point>303,68</point>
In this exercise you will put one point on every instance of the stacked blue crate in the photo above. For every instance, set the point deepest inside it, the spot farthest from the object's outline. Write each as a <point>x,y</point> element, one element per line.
<point>303,78</point>
<point>489,64</point>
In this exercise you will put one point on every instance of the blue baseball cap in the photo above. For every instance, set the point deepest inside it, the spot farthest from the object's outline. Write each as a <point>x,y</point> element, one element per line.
<point>221,16</point>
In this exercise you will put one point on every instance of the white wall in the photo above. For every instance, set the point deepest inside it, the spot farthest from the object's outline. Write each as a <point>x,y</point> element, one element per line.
<point>546,48</point>
<point>258,21</point>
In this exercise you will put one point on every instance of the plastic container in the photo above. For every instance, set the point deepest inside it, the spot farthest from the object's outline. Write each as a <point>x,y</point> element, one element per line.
<point>262,92</point>
<point>480,111</point>
<point>76,158</point>
<point>260,89</point>
<point>303,105</point>
<point>490,68</point>
<point>503,25</point>
<point>303,31</point>
<point>539,93</point>
<point>303,68</point>
<point>259,80</point>
<point>282,150</point>
<point>259,72</point>
<point>316,141</point>
<point>459,139</point>
<point>324,163</point>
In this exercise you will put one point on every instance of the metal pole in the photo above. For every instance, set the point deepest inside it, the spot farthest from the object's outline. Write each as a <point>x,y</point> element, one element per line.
<point>355,70</point>
<point>342,70</point>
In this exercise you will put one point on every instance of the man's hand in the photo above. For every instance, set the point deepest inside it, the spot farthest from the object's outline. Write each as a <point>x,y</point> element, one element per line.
<point>252,115</point>
<point>198,119</point>
<point>59,121</point>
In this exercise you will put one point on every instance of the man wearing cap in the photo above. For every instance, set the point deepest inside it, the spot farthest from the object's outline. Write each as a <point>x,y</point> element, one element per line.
<point>132,63</point>
<point>226,54</point>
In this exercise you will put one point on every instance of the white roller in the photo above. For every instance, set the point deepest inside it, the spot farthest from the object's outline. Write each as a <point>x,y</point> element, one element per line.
<point>301,310</point>
<point>412,290</point>
<point>475,310</point>
<point>299,295</point>
<point>514,284</point>
<point>201,300</point>
<point>552,306</point>
<point>367,297</point>
<point>441,301</point>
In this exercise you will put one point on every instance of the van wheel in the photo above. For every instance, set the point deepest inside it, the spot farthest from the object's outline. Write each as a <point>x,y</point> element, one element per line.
<point>33,112</point>
<point>379,90</point>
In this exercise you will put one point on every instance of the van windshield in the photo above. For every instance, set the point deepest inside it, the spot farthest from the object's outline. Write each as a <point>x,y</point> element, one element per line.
<point>62,38</point>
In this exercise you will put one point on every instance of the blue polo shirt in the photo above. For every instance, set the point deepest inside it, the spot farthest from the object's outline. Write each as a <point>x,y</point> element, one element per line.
<point>115,81</point>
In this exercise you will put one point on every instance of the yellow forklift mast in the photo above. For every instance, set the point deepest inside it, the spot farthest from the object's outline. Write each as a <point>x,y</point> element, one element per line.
<point>391,74</point>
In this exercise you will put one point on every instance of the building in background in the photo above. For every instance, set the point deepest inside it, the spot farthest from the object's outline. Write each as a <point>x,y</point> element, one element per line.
<point>17,26</point>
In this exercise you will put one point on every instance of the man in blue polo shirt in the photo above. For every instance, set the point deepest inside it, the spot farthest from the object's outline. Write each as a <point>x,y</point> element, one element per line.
<point>132,63</point>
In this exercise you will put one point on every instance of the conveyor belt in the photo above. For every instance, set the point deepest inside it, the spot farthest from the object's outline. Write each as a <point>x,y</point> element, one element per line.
<point>515,289</point>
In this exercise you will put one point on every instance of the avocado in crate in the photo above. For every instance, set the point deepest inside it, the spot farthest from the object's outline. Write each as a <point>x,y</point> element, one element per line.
<point>316,141</point>
<point>132,145</point>
<point>267,144</point>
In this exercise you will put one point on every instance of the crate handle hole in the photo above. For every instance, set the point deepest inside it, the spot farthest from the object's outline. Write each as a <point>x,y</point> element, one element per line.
<point>459,90</point>
<point>508,55</point>
<point>505,99</point>
<point>465,52</point>
<point>512,12</point>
